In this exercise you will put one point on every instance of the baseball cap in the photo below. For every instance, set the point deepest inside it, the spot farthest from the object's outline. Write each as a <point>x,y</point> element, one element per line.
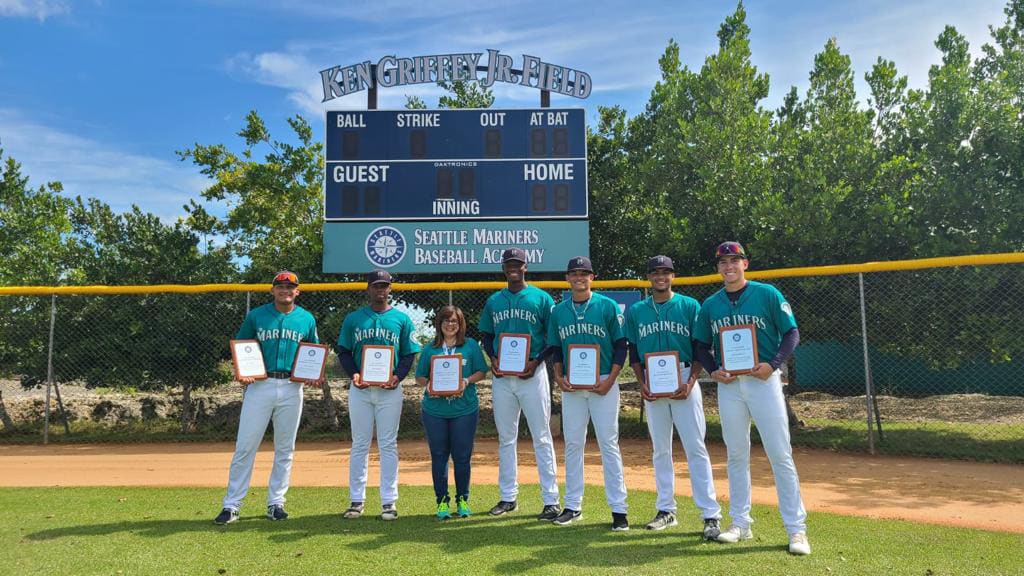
<point>580,263</point>
<point>513,254</point>
<point>377,276</point>
<point>285,277</point>
<point>660,262</point>
<point>730,249</point>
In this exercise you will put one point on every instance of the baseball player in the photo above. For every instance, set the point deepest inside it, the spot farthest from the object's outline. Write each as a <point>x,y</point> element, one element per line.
<point>756,395</point>
<point>521,309</point>
<point>375,406</point>
<point>664,323</point>
<point>592,319</point>
<point>279,326</point>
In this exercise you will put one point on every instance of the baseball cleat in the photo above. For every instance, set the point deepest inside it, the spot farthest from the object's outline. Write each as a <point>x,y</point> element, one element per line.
<point>443,512</point>
<point>549,513</point>
<point>619,522</point>
<point>734,534</point>
<point>504,507</point>
<point>662,520</point>
<point>276,512</point>
<point>798,544</point>
<point>462,507</point>
<point>226,516</point>
<point>388,512</point>
<point>711,529</point>
<point>355,510</point>
<point>567,517</point>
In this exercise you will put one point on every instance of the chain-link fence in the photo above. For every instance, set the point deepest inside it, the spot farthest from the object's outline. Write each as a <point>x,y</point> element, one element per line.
<point>939,370</point>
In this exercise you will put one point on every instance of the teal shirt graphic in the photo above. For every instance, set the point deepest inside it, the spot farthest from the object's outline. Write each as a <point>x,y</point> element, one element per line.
<point>278,334</point>
<point>760,304</point>
<point>597,321</point>
<point>664,327</point>
<point>389,328</point>
<point>472,362</point>
<point>523,312</point>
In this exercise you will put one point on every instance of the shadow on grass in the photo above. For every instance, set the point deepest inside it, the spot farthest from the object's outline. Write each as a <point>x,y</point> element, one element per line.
<point>522,543</point>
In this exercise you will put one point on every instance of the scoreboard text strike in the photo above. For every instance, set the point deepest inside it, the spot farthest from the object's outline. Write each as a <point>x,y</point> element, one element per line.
<point>391,165</point>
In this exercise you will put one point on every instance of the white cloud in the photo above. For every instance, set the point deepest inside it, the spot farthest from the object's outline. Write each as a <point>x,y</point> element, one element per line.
<point>90,168</point>
<point>39,9</point>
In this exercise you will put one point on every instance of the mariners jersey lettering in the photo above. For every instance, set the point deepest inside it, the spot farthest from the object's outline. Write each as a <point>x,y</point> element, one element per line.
<point>664,327</point>
<point>368,327</point>
<point>525,312</point>
<point>598,321</point>
<point>278,334</point>
<point>760,304</point>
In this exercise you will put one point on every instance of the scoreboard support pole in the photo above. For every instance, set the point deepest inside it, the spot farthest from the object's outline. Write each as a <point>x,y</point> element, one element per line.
<point>545,99</point>
<point>371,93</point>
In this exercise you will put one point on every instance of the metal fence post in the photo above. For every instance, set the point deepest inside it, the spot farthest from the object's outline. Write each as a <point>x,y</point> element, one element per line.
<point>867,364</point>
<point>248,297</point>
<point>49,370</point>
<point>449,297</point>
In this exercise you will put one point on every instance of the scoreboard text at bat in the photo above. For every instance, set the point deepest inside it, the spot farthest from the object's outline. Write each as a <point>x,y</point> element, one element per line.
<point>456,164</point>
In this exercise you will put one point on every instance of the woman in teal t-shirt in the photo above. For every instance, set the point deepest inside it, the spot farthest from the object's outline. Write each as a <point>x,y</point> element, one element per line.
<point>450,421</point>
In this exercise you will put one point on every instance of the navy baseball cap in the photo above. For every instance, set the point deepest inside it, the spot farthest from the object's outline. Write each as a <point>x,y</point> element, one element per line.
<point>730,249</point>
<point>378,276</point>
<point>285,277</point>
<point>513,254</point>
<point>580,263</point>
<point>660,262</point>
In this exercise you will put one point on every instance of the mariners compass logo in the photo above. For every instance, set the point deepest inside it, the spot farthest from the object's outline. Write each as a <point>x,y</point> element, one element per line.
<point>385,246</point>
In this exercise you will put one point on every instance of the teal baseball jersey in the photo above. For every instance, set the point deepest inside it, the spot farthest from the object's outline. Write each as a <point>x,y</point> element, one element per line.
<point>760,304</point>
<point>523,312</point>
<point>278,334</point>
<point>369,327</point>
<point>596,321</point>
<point>472,362</point>
<point>663,327</point>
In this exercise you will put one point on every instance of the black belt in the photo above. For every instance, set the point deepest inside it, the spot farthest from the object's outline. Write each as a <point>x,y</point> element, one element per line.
<point>281,375</point>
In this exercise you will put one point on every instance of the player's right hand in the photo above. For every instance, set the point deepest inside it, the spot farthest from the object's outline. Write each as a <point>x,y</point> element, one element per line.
<point>563,383</point>
<point>357,381</point>
<point>723,376</point>
<point>645,389</point>
<point>246,381</point>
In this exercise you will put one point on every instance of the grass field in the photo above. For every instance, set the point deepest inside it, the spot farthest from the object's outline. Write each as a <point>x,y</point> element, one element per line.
<point>168,531</point>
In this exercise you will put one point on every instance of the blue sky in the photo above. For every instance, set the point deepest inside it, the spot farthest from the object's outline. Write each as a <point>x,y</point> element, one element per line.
<point>98,94</point>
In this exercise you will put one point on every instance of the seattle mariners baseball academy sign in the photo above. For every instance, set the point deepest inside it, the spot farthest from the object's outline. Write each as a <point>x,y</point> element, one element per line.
<point>391,71</point>
<point>448,190</point>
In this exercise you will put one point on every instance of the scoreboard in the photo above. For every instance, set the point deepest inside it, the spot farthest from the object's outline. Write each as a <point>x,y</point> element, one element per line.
<point>456,165</point>
<point>440,191</point>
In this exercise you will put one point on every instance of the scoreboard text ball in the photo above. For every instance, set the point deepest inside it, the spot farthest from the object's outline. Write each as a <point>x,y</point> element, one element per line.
<point>456,164</point>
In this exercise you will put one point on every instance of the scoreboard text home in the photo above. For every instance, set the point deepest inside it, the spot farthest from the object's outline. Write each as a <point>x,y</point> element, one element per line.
<point>475,181</point>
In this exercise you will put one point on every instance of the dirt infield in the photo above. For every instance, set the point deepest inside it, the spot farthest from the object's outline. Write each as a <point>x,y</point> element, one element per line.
<point>968,494</point>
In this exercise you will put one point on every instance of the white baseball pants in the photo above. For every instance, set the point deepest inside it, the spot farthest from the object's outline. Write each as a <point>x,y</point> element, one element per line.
<point>746,398</point>
<point>688,417</point>
<point>579,408</point>
<point>369,408</point>
<point>274,399</point>
<point>531,396</point>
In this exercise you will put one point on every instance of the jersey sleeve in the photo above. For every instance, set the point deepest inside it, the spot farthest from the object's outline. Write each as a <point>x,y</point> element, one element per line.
<point>312,336</point>
<point>409,345</point>
<point>345,339</point>
<point>781,311</point>
<point>486,322</point>
<point>547,305</point>
<point>423,365</point>
<point>632,332</point>
<point>553,338</point>
<point>615,324</point>
<point>247,331</point>
<point>702,327</point>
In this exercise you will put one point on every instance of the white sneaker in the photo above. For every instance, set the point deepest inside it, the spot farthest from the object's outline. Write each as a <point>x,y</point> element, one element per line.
<point>734,534</point>
<point>798,544</point>
<point>388,512</point>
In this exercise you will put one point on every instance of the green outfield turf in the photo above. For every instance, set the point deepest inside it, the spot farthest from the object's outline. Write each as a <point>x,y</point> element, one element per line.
<point>169,531</point>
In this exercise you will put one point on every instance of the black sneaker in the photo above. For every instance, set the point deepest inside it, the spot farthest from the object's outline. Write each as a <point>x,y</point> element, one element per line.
<point>276,512</point>
<point>711,529</point>
<point>504,507</point>
<point>549,513</point>
<point>619,522</point>
<point>226,516</point>
<point>567,517</point>
<point>662,520</point>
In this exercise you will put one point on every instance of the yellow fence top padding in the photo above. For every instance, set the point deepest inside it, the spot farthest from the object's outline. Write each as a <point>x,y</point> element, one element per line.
<point>835,270</point>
